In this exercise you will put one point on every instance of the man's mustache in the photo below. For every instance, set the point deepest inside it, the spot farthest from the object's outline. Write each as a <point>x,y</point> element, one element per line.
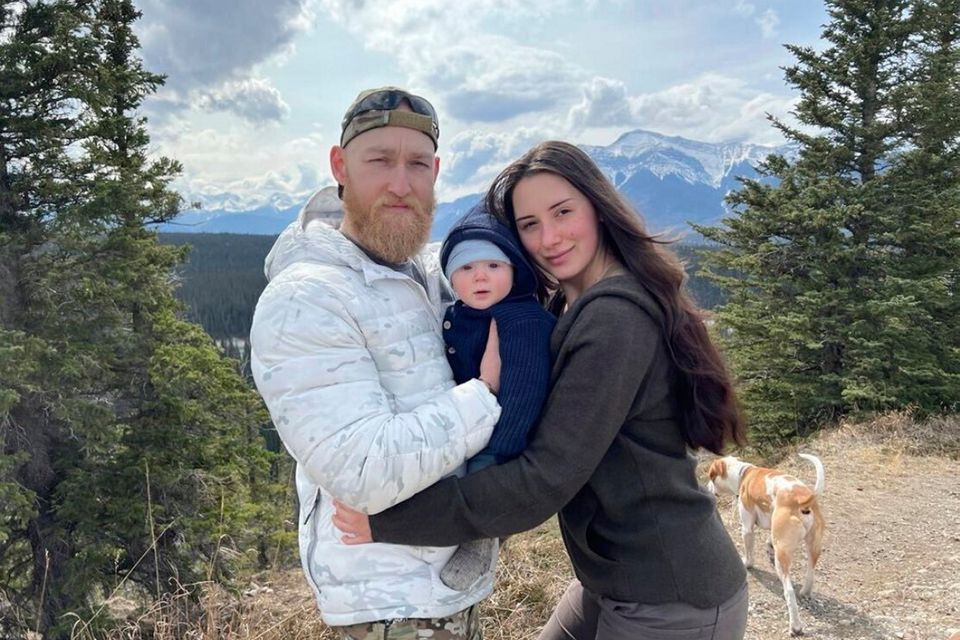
<point>411,202</point>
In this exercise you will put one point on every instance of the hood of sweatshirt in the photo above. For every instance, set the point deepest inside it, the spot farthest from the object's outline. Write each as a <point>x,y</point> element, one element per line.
<point>307,239</point>
<point>480,224</point>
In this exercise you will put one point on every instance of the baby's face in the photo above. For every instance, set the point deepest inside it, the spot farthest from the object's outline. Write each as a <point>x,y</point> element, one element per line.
<point>483,283</point>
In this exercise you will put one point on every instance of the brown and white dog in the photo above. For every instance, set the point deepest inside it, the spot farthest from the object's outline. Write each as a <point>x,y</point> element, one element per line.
<point>773,500</point>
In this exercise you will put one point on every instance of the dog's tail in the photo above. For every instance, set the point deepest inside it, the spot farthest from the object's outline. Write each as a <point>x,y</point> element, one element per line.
<point>818,488</point>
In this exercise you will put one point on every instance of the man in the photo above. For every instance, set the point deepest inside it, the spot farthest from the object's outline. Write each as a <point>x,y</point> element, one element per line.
<point>348,355</point>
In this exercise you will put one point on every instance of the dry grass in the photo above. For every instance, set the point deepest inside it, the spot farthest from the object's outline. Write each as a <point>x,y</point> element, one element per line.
<point>533,572</point>
<point>532,575</point>
<point>281,607</point>
<point>899,432</point>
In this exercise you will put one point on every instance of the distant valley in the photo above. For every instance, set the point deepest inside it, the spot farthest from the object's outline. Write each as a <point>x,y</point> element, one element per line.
<point>223,276</point>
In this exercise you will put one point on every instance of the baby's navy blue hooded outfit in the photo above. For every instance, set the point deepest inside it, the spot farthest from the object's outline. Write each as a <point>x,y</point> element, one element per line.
<point>524,329</point>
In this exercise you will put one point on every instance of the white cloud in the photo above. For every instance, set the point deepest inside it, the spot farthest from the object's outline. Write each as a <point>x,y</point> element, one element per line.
<point>206,48</point>
<point>443,47</point>
<point>247,167</point>
<point>254,100</point>
<point>205,43</point>
<point>388,20</point>
<point>712,108</point>
<point>477,77</point>
<point>769,21</point>
<point>604,103</point>
<point>474,157</point>
<point>492,79</point>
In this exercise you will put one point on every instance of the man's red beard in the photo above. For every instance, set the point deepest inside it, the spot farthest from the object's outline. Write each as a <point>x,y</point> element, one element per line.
<point>393,236</point>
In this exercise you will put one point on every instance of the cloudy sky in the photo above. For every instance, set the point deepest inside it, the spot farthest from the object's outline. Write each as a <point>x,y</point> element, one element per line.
<point>256,90</point>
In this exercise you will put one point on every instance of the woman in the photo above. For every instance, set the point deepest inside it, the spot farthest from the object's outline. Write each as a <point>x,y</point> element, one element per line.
<point>636,384</point>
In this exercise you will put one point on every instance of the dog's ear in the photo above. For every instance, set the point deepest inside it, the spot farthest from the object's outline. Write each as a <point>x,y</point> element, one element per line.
<point>717,469</point>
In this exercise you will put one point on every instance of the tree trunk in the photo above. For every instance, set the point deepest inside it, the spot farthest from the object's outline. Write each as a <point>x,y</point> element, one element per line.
<point>50,556</point>
<point>40,437</point>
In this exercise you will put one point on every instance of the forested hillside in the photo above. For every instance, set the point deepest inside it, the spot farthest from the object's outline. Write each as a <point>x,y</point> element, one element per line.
<point>222,278</point>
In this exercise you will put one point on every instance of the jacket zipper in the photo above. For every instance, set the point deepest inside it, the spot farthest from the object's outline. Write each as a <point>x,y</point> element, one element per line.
<point>316,503</point>
<point>423,290</point>
<point>313,540</point>
<point>425,295</point>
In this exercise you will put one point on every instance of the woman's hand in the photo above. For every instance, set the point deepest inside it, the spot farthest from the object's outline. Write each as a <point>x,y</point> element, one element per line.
<point>490,363</point>
<point>354,524</point>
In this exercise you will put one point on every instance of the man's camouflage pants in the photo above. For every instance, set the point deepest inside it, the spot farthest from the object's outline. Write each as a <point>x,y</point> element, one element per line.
<point>464,625</point>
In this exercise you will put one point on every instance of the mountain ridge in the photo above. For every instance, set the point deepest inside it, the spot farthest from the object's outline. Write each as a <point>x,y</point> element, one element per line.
<point>671,181</point>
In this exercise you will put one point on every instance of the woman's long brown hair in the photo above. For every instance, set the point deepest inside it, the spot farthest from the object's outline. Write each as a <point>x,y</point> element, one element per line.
<point>712,415</point>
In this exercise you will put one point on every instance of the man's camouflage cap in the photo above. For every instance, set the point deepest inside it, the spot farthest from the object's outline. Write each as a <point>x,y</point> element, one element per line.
<point>375,108</point>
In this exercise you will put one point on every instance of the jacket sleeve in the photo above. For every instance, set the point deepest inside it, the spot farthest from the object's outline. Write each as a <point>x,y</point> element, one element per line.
<point>322,388</point>
<point>608,351</point>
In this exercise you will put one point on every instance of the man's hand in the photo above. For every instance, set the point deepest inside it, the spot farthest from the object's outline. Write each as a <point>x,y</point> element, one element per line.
<point>490,363</point>
<point>354,524</point>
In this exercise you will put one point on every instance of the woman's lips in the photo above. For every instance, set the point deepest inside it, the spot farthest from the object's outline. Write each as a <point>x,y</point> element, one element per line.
<point>558,257</point>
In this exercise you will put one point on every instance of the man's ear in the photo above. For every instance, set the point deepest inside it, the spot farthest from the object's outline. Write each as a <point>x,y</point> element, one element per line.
<point>338,164</point>
<point>436,167</point>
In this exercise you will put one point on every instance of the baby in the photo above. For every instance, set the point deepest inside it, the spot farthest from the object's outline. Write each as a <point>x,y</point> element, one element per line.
<point>494,281</point>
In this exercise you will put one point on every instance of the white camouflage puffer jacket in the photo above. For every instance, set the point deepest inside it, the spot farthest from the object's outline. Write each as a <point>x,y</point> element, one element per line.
<point>349,359</point>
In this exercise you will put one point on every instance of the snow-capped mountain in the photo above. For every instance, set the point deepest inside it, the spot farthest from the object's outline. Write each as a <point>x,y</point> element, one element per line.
<point>695,162</point>
<point>671,181</point>
<point>226,201</point>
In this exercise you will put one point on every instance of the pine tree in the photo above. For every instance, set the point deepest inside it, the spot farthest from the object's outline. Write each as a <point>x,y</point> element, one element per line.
<point>40,50</point>
<point>840,273</point>
<point>132,446</point>
<point>922,187</point>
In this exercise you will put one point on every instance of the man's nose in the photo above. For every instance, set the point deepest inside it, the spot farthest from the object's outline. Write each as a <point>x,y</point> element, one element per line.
<point>399,184</point>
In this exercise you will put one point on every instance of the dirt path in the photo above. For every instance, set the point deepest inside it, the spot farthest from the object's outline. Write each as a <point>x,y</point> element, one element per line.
<point>891,564</point>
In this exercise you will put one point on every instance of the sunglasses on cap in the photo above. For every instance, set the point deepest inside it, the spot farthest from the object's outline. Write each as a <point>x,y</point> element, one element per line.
<point>377,108</point>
